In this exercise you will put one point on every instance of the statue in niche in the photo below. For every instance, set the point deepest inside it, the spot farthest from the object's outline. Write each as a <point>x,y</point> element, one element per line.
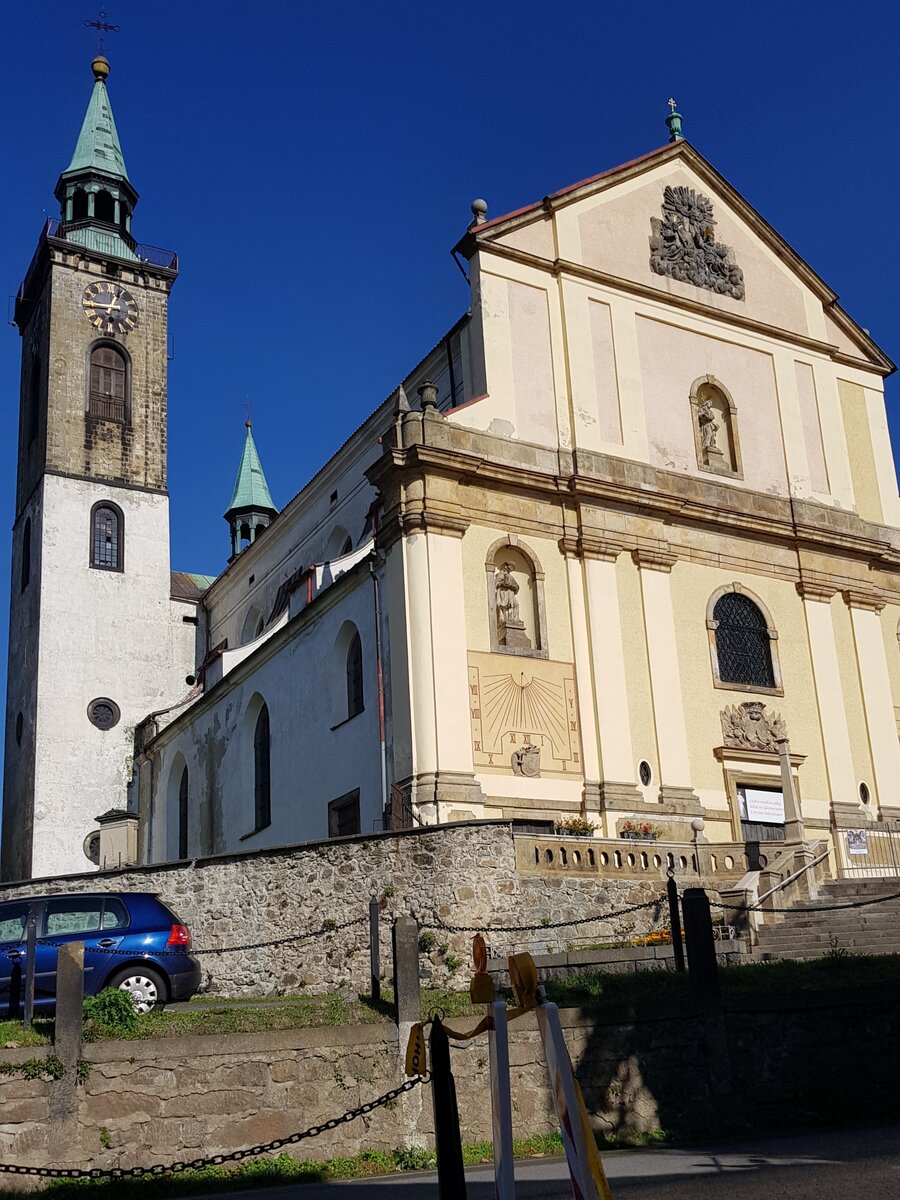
<point>709,426</point>
<point>510,626</point>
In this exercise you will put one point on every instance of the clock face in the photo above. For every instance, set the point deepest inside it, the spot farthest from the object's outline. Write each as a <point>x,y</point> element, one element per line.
<point>109,308</point>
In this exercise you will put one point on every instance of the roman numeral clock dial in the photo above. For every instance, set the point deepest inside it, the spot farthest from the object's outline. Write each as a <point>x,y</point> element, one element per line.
<point>109,307</point>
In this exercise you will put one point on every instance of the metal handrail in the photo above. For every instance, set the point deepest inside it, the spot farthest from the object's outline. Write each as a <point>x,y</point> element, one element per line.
<point>790,879</point>
<point>155,256</point>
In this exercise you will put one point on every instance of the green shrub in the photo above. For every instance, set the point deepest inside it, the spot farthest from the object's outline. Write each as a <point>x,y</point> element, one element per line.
<point>415,1158</point>
<point>426,941</point>
<point>111,1014</point>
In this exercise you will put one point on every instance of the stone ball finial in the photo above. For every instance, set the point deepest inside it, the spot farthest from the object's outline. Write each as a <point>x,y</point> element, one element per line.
<point>479,211</point>
<point>427,393</point>
<point>100,67</point>
<point>698,824</point>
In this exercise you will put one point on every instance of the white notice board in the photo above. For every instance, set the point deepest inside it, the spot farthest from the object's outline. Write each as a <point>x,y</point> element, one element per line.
<point>764,806</point>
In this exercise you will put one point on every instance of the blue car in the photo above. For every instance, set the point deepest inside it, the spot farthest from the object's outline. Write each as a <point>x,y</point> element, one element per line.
<point>131,941</point>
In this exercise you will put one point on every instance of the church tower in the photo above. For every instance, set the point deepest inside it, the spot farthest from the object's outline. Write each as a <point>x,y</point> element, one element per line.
<point>91,623</point>
<point>251,508</point>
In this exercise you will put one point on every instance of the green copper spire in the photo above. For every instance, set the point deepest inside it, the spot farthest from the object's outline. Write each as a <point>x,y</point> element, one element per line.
<point>673,120</point>
<point>95,195</point>
<point>98,147</point>
<point>251,507</point>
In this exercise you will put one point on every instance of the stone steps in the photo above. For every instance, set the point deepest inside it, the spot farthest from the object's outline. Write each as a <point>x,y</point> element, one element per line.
<point>805,933</point>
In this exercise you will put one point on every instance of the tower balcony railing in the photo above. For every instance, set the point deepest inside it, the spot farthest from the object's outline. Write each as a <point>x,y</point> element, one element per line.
<point>154,256</point>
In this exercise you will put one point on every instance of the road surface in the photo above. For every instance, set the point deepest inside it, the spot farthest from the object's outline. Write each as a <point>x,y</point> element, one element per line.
<point>832,1165</point>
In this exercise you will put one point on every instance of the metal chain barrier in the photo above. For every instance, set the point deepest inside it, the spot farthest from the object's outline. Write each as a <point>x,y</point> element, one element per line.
<point>328,927</point>
<point>805,909</point>
<point>604,916</point>
<point>214,1160</point>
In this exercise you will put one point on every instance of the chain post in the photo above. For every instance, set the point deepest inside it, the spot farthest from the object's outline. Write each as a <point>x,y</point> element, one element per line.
<point>451,1172</point>
<point>30,955</point>
<point>374,952</point>
<point>675,920</point>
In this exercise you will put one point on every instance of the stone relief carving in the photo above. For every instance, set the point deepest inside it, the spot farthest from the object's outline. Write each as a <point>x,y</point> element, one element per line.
<point>748,726</point>
<point>683,245</point>
<point>510,626</point>
<point>527,761</point>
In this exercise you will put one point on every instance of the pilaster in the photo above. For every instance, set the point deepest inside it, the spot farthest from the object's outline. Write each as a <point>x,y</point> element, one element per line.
<point>829,692</point>
<point>875,684</point>
<point>654,567</point>
<point>583,681</point>
<point>608,661</point>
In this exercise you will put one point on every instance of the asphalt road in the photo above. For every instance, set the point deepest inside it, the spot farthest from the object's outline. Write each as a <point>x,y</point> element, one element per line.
<point>833,1165</point>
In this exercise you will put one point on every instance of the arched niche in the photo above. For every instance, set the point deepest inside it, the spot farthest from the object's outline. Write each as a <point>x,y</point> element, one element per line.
<point>517,615</point>
<point>254,624</point>
<point>714,418</point>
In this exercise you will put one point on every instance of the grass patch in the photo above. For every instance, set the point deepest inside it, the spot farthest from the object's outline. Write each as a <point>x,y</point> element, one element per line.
<point>282,1169</point>
<point>597,989</point>
<point>15,1031</point>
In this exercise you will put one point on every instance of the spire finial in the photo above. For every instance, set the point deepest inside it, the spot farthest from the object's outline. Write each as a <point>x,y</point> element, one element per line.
<point>248,422</point>
<point>102,26</point>
<point>673,120</point>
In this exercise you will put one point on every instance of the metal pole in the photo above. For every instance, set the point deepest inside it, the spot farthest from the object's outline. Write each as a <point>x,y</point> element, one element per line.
<point>30,955</point>
<point>374,952</point>
<point>451,1173</point>
<point>675,920</point>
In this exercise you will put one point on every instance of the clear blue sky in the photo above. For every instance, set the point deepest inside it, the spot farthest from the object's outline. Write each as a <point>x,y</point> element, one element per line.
<point>314,163</point>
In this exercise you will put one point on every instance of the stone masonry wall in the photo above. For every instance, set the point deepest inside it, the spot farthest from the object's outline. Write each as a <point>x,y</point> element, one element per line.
<point>462,874</point>
<point>782,1058</point>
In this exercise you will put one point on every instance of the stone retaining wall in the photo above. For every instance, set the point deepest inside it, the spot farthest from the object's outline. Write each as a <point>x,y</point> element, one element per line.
<point>781,1059</point>
<point>464,874</point>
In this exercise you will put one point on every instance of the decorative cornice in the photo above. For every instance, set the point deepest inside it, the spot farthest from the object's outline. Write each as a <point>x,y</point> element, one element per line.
<point>560,267</point>
<point>767,757</point>
<point>871,601</point>
<point>814,589</point>
<point>586,546</point>
<point>654,559</point>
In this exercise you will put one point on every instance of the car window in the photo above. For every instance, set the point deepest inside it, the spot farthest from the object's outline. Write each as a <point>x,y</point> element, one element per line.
<point>72,916</point>
<point>12,922</point>
<point>115,915</point>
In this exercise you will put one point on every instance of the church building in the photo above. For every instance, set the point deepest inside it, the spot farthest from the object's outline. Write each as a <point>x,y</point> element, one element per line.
<point>622,549</point>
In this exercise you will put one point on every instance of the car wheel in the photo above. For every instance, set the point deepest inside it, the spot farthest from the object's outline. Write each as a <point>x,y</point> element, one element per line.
<point>146,987</point>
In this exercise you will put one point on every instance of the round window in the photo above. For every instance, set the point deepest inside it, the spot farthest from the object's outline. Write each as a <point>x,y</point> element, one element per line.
<point>645,772</point>
<point>864,793</point>
<point>20,723</point>
<point>103,713</point>
<point>91,847</point>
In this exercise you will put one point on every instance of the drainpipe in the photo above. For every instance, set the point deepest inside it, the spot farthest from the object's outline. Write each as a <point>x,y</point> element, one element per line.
<point>380,673</point>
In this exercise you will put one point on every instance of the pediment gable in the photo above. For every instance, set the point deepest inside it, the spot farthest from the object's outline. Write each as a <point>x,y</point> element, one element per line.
<point>669,224</point>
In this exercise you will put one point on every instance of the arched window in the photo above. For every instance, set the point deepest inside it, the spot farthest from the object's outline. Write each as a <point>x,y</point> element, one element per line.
<point>80,205</point>
<point>26,553</point>
<point>742,642</point>
<point>262,775</point>
<point>104,207</point>
<point>107,537</point>
<point>108,398</point>
<point>354,677</point>
<point>183,814</point>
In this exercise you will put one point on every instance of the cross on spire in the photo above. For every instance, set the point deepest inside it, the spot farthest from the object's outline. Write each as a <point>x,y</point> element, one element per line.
<point>102,26</point>
<point>672,104</point>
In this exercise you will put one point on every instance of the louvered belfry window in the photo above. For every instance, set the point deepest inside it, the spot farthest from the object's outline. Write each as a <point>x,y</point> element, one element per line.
<point>106,538</point>
<point>108,384</point>
<point>742,642</point>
